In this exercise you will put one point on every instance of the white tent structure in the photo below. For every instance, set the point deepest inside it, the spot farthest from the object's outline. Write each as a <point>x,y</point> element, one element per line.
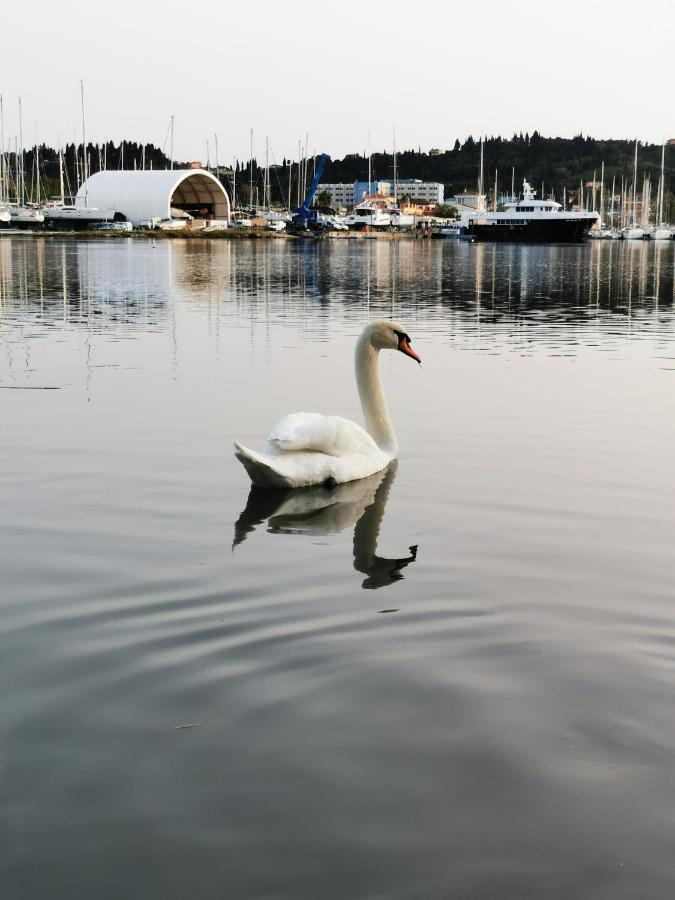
<point>140,195</point>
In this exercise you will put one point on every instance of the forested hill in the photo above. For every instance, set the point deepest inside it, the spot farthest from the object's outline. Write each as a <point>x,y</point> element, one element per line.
<point>558,162</point>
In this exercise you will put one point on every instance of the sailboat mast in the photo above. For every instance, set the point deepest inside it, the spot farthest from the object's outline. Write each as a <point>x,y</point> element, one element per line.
<point>63,199</point>
<point>513,183</point>
<point>267,171</point>
<point>17,179</point>
<point>662,183</point>
<point>395,181</point>
<point>3,168</point>
<point>635,185</point>
<point>299,169</point>
<point>480,176</point>
<point>611,214</point>
<point>85,173</point>
<point>20,195</point>
<point>602,192</point>
<point>171,151</point>
<point>494,199</point>
<point>250,166</point>
<point>304,180</point>
<point>290,183</point>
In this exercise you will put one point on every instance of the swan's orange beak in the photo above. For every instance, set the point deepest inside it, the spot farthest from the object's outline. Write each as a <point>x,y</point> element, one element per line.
<point>404,347</point>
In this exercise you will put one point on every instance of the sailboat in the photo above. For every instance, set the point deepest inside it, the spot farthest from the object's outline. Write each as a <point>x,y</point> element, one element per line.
<point>4,171</point>
<point>80,215</point>
<point>398,220</point>
<point>661,231</point>
<point>633,231</point>
<point>22,214</point>
<point>601,231</point>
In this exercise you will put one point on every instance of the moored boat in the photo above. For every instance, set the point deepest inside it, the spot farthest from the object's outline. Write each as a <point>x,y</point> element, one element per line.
<point>21,216</point>
<point>63,215</point>
<point>660,233</point>
<point>529,220</point>
<point>633,233</point>
<point>368,214</point>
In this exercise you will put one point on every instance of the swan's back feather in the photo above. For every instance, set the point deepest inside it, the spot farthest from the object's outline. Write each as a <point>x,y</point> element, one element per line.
<point>333,435</point>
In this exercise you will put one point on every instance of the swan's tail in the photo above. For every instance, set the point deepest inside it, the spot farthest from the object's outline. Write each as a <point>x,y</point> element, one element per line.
<point>259,468</point>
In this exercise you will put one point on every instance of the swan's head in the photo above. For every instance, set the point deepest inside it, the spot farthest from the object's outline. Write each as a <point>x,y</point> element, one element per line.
<point>388,335</point>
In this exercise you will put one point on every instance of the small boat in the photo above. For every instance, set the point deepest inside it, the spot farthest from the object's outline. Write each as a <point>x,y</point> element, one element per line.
<point>447,231</point>
<point>660,233</point>
<point>633,233</point>
<point>603,233</point>
<point>172,224</point>
<point>115,226</point>
<point>25,216</point>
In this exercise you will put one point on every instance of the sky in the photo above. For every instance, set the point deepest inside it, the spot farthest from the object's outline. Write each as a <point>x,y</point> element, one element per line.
<point>346,73</point>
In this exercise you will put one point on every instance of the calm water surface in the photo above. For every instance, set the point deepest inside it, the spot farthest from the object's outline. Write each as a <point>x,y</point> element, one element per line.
<point>454,680</point>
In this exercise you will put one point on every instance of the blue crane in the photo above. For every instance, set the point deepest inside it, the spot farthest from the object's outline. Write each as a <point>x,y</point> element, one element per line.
<point>303,216</point>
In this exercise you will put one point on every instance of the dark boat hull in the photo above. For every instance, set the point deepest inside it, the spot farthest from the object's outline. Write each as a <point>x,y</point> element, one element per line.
<point>558,230</point>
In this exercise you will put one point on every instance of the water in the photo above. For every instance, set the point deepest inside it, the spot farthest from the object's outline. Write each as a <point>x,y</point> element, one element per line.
<point>453,680</point>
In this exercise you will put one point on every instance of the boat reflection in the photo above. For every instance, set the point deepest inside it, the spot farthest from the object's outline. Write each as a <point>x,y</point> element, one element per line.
<point>316,511</point>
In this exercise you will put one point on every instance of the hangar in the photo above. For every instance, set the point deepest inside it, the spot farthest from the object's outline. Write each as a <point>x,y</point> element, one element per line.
<point>138,196</point>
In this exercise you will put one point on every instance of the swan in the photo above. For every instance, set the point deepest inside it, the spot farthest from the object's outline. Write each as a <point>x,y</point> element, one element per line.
<point>306,449</point>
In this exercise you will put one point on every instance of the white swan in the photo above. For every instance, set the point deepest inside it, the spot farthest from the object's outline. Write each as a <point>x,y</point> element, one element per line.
<point>308,448</point>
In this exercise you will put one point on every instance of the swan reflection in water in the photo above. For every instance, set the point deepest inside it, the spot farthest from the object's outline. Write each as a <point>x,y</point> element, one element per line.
<point>317,510</point>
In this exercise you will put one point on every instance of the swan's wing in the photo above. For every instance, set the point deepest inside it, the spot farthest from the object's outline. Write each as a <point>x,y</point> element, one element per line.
<point>324,434</point>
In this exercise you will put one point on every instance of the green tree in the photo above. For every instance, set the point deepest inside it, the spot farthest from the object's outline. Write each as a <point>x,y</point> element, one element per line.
<point>446,211</point>
<point>323,198</point>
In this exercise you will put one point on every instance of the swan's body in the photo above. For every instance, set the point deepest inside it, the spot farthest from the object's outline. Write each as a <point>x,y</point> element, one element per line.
<point>308,448</point>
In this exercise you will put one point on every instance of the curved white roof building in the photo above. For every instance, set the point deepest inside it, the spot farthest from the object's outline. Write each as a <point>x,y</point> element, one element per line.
<point>149,194</point>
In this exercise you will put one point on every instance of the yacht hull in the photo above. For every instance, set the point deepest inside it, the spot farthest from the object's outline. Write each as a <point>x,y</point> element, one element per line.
<point>553,230</point>
<point>74,220</point>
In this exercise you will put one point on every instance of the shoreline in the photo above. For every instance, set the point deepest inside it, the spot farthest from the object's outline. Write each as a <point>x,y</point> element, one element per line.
<point>226,234</point>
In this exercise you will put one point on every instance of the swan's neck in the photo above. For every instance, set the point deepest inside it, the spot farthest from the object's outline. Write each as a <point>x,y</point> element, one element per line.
<point>373,404</point>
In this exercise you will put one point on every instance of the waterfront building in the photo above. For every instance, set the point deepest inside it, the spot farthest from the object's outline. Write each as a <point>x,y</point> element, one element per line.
<point>340,194</point>
<point>423,192</point>
<point>139,196</point>
<point>468,199</point>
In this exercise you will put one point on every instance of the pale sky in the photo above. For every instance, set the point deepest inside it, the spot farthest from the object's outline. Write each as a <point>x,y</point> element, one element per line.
<point>338,70</point>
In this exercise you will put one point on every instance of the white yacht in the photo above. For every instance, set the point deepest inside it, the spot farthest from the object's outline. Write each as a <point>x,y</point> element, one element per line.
<point>529,219</point>
<point>368,214</point>
<point>63,215</point>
